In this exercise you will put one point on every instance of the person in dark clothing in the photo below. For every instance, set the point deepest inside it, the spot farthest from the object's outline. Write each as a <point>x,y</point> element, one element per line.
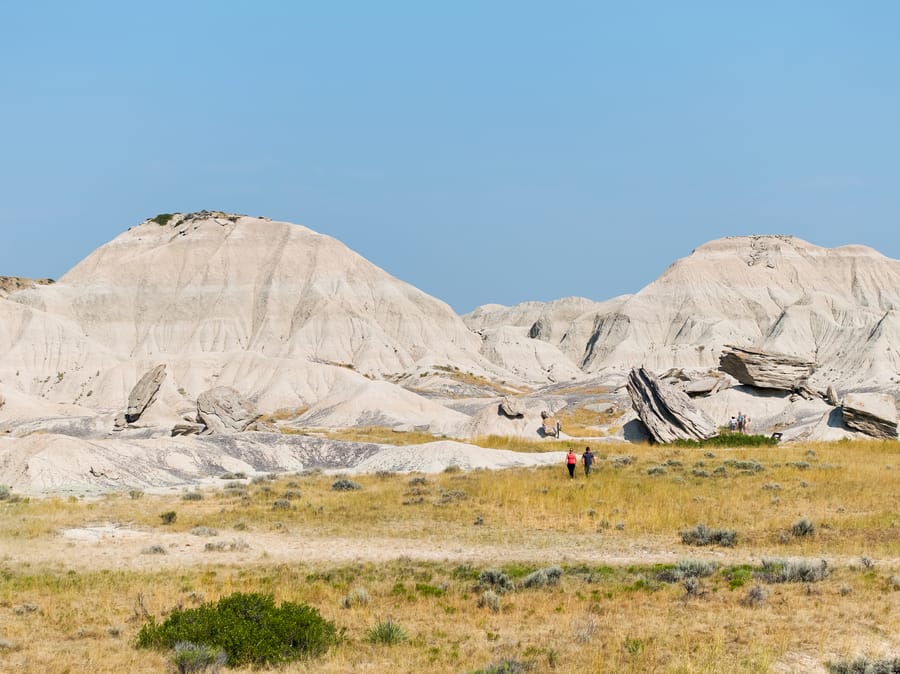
<point>587,460</point>
<point>571,462</point>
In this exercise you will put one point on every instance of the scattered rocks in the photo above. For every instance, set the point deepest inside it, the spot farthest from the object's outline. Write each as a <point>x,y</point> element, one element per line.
<point>762,369</point>
<point>874,414</point>
<point>667,412</point>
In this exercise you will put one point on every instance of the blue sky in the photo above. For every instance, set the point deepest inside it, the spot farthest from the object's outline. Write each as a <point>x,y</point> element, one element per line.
<point>482,151</point>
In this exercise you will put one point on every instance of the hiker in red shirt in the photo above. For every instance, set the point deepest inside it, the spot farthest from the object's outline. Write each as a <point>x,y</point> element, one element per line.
<point>571,461</point>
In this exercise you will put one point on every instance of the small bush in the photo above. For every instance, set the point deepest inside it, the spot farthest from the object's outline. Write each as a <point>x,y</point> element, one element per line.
<point>508,666</point>
<point>204,531</point>
<point>227,546</point>
<point>234,476</point>
<point>281,504</point>
<point>345,485</point>
<point>135,494</point>
<point>489,599</point>
<point>803,528</point>
<point>495,579</point>
<point>687,568</point>
<point>168,517</point>
<point>702,535</point>
<point>4,492</point>
<point>866,666</point>
<point>192,496</point>
<point>751,466</point>
<point>387,632</point>
<point>154,550</point>
<point>800,571</point>
<point>163,218</point>
<point>543,577</point>
<point>190,658</point>
<point>250,628</point>
<point>358,597</point>
<point>656,470</point>
<point>756,596</point>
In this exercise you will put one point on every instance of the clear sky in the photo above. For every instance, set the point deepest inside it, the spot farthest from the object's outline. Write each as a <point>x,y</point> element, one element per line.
<point>484,151</point>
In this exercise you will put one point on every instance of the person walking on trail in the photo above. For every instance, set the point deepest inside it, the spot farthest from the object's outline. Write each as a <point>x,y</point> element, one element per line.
<point>571,461</point>
<point>740,422</point>
<point>587,460</point>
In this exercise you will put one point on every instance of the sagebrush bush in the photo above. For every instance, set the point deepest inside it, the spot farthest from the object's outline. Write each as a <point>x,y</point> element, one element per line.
<point>204,531</point>
<point>702,535</point>
<point>543,577</point>
<point>190,658</point>
<point>495,579</point>
<point>866,666</point>
<point>803,528</point>
<point>508,666</point>
<point>387,632</point>
<point>192,496</point>
<point>489,599</point>
<point>154,550</point>
<point>168,517</point>
<point>798,571</point>
<point>345,485</point>
<point>358,597</point>
<point>250,628</point>
<point>687,568</point>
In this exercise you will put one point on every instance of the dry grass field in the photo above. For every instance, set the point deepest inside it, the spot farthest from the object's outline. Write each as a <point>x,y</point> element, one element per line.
<point>79,577</point>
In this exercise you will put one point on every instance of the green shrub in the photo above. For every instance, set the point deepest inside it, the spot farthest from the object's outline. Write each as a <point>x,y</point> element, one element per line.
<point>192,496</point>
<point>386,632</point>
<point>168,517</point>
<point>163,218</point>
<point>345,485</point>
<point>729,440</point>
<point>508,666</point>
<point>250,628</point>
<point>702,535</point>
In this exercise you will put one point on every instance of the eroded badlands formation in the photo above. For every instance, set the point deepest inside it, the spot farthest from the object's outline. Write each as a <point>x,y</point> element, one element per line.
<point>227,328</point>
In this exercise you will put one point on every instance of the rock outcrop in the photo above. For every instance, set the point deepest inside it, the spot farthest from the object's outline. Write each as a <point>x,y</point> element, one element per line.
<point>668,413</point>
<point>874,414</point>
<point>224,410</point>
<point>144,393</point>
<point>761,369</point>
<point>512,407</point>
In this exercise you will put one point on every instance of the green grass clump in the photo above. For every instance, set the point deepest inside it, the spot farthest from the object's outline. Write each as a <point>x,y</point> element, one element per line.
<point>387,632</point>
<point>729,440</point>
<point>250,628</point>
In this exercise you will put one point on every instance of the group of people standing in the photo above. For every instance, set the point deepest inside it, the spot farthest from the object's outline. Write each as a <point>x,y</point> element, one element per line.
<point>740,423</point>
<point>587,460</point>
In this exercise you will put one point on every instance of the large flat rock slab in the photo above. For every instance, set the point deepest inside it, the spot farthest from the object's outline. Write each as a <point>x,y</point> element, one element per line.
<point>763,369</point>
<point>667,412</point>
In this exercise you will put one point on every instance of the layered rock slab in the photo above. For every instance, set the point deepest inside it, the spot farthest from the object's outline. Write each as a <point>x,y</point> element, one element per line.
<point>763,369</point>
<point>668,413</point>
<point>874,414</point>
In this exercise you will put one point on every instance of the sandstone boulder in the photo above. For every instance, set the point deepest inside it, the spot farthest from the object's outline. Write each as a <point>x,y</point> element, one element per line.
<point>754,367</point>
<point>831,396</point>
<point>667,412</point>
<point>224,410</point>
<point>144,393</point>
<point>512,407</point>
<point>874,414</point>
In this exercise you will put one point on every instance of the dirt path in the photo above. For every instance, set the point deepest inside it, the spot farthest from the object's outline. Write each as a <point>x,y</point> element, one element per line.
<point>113,547</point>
